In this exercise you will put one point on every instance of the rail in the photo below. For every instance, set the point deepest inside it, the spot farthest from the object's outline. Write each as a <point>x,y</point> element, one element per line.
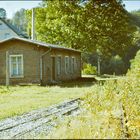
<point>29,123</point>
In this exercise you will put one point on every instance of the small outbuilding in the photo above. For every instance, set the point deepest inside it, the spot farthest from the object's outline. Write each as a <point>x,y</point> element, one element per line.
<point>28,61</point>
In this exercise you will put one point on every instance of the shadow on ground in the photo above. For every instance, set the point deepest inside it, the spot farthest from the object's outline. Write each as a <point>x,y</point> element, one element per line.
<point>80,82</point>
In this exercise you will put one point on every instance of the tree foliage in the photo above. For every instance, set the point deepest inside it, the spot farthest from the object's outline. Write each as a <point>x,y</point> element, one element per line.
<point>3,13</point>
<point>89,69</point>
<point>102,25</point>
<point>19,20</point>
<point>135,66</point>
<point>135,16</point>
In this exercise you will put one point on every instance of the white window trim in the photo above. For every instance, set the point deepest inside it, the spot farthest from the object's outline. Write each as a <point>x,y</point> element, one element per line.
<point>21,76</point>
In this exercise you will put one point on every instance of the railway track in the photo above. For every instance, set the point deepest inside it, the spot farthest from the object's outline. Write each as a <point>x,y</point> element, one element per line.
<point>37,121</point>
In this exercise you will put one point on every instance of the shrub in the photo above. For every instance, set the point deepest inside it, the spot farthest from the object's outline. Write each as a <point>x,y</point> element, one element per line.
<point>135,66</point>
<point>89,69</point>
<point>112,110</point>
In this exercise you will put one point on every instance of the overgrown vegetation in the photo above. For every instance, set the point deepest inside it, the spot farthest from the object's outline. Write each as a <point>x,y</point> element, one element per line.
<point>89,69</point>
<point>112,110</point>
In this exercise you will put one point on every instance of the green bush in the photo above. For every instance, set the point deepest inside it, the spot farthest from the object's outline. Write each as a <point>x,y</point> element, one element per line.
<point>135,66</point>
<point>89,69</point>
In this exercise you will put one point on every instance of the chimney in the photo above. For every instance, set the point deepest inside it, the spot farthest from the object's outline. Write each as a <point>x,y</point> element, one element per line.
<point>33,25</point>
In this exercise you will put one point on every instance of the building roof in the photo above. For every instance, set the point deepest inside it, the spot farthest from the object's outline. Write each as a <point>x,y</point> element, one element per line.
<point>12,27</point>
<point>39,43</point>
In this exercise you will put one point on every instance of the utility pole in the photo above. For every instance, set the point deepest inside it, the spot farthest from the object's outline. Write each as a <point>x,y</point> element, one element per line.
<point>33,25</point>
<point>7,68</point>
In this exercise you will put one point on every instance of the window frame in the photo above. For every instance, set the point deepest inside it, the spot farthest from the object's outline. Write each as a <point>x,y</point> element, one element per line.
<point>72,65</point>
<point>60,65</point>
<point>22,68</point>
<point>67,68</point>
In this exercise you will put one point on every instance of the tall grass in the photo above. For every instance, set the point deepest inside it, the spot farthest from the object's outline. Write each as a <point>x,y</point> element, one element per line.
<point>112,111</point>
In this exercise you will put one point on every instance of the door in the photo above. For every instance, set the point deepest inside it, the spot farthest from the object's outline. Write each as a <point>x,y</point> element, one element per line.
<point>53,68</point>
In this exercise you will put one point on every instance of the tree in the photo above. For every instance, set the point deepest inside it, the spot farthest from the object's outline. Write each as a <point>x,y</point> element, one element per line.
<point>19,20</point>
<point>102,25</point>
<point>3,13</point>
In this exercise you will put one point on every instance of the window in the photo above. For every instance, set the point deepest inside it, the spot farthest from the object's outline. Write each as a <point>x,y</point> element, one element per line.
<point>16,65</point>
<point>72,64</point>
<point>66,64</point>
<point>58,65</point>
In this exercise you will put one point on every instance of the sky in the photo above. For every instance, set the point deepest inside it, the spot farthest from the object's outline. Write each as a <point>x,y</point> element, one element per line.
<point>11,6</point>
<point>14,5</point>
<point>131,5</point>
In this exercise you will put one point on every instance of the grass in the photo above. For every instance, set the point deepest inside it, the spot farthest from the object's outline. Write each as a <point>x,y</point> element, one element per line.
<point>20,99</point>
<point>113,110</point>
<point>104,117</point>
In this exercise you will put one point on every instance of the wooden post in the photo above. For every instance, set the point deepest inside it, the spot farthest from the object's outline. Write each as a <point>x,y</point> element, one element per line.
<point>7,68</point>
<point>99,69</point>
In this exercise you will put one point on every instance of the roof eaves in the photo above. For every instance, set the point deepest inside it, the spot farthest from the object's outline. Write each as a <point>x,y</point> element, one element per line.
<point>40,44</point>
